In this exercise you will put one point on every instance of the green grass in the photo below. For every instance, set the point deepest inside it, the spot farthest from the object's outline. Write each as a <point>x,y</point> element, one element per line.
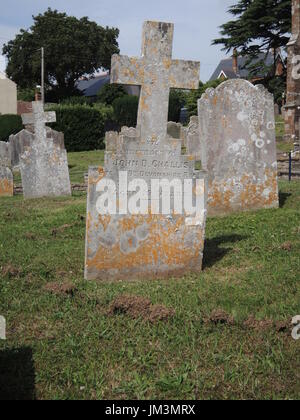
<point>79,163</point>
<point>67,347</point>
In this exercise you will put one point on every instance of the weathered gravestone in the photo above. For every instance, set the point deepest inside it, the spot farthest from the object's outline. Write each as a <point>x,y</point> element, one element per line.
<point>174,130</point>
<point>151,244</point>
<point>22,140</point>
<point>6,176</point>
<point>43,163</point>
<point>192,143</point>
<point>238,147</point>
<point>177,131</point>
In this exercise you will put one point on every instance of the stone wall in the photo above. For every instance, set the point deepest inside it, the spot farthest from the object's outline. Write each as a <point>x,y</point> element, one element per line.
<point>8,97</point>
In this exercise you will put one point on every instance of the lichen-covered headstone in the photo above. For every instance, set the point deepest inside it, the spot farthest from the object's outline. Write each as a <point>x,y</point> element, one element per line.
<point>43,162</point>
<point>6,176</point>
<point>238,147</point>
<point>123,245</point>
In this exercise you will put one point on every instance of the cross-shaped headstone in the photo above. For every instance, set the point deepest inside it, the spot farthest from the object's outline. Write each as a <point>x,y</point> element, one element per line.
<point>156,73</point>
<point>38,118</point>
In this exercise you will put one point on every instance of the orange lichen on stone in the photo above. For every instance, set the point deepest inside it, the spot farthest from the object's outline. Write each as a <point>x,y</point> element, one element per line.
<point>215,100</point>
<point>250,196</point>
<point>162,244</point>
<point>167,63</point>
<point>143,104</point>
<point>6,188</point>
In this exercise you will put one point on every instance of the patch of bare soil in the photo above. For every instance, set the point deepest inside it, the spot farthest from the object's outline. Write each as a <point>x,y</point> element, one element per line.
<point>283,326</point>
<point>61,229</point>
<point>139,307</point>
<point>10,271</point>
<point>287,246</point>
<point>254,324</point>
<point>219,316</point>
<point>267,324</point>
<point>30,236</point>
<point>56,288</point>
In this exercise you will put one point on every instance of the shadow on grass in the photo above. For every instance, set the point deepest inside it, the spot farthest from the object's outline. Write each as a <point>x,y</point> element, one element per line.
<point>282,198</point>
<point>213,252</point>
<point>17,375</point>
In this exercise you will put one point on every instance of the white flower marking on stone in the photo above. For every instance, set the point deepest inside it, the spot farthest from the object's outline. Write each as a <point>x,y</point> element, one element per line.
<point>242,116</point>
<point>260,143</point>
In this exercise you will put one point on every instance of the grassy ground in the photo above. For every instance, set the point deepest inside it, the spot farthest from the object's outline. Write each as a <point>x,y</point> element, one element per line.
<point>79,163</point>
<point>65,346</point>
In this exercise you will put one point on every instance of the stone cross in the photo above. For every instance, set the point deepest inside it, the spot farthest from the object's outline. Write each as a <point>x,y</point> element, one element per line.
<point>38,118</point>
<point>156,72</point>
<point>43,160</point>
<point>124,245</point>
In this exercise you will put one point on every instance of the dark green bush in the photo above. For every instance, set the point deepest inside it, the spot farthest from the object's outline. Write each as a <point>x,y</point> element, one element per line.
<point>83,127</point>
<point>176,103</point>
<point>26,95</point>
<point>76,100</point>
<point>194,95</point>
<point>9,124</point>
<point>109,93</point>
<point>126,110</point>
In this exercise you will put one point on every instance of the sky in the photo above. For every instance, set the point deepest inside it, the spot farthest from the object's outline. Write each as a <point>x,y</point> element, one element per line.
<point>196,23</point>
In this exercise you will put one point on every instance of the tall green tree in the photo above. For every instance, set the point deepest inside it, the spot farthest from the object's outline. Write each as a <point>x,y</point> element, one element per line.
<point>258,27</point>
<point>73,48</point>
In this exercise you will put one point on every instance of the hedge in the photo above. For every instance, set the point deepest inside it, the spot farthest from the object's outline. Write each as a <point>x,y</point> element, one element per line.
<point>82,125</point>
<point>126,110</point>
<point>9,124</point>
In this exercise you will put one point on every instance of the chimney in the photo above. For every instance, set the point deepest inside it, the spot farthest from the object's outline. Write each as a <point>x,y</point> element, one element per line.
<point>235,67</point>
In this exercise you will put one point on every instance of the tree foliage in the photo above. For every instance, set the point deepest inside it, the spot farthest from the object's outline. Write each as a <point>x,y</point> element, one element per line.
<point>73,48</point>
<point>194,95</point>
<point>177,101</point>
<point>9,124</point>
<point>126,111</point>
<point>109,93</point>
<point>259,25</point>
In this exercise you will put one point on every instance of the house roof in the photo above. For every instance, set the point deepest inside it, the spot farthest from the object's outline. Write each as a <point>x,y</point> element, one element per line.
<point>226,65</point>
<point>2,75</point>
<point>91,87</point>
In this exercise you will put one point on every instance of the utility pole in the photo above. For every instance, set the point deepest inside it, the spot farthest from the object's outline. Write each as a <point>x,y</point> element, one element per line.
<point>43,75</point>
